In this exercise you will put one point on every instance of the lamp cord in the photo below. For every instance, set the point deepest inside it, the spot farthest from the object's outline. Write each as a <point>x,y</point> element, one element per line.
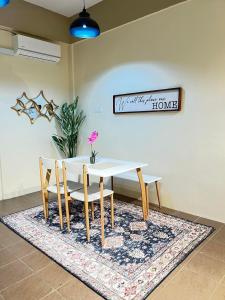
<point>84,3</point>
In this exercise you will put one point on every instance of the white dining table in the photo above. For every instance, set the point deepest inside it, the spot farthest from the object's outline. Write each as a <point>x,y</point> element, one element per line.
<point>108,168</point>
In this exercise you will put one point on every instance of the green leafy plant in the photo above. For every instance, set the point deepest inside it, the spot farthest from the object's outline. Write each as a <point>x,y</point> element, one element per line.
<point>69,121</point>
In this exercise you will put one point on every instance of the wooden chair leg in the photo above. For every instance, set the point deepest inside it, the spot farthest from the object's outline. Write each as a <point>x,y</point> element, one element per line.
<point>70,206</point>
<point>112,211</point>
<point>147,198</point>
<point>157,190</point>
<point>44,185</point>
<point>44,204</point>
<point>92,211</point>
<point>67,212</point>
<point>60,211</point>
<point>47,210</point>
<point>87,220</point>
<point>102,210</point>
<point>47,180</point>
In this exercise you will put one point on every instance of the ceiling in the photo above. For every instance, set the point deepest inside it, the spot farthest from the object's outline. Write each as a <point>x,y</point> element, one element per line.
<point>24,16</point>
<point>67,8</point>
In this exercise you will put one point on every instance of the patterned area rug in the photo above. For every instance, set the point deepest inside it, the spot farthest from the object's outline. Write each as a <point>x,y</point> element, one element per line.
<point>136,257</point>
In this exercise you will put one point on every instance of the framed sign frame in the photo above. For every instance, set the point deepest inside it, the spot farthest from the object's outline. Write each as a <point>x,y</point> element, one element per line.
<point>165,100</point>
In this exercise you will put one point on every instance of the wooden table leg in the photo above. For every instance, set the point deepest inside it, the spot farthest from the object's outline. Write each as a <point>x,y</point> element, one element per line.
<point>92,211</point>
<point>147,198</point>
<point>112,210</point>
<point>92,203</point>
<point>102,210</point>
<point>86,211</point>
<point>157,190</point>
<point>59,195</point>
<point>143,193</point>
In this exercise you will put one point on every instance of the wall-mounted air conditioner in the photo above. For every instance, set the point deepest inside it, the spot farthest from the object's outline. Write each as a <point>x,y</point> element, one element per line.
<point>37,49</point>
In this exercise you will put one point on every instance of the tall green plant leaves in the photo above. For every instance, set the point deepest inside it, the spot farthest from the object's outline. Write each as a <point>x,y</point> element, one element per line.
<point>69,121</point>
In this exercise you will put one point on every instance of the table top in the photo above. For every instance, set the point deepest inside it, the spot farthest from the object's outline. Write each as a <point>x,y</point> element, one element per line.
<point>107,167</point>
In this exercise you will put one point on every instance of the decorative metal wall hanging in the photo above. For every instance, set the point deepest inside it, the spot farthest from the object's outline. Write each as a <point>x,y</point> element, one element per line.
<point>36,107</point>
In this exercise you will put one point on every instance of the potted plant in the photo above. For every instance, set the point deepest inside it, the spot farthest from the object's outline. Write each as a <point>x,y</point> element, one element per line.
<point>69,122</point>
<point>91,139</point>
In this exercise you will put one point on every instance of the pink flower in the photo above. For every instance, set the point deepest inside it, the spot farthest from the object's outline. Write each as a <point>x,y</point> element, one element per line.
<point>93,137</point>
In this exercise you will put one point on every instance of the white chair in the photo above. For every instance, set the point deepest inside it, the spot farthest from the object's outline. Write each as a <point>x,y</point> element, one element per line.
<point>147,180</point>
<point>47,166</point>
<point>88,194</point>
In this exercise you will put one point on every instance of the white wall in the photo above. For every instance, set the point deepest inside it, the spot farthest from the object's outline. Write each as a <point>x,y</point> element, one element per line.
<point>180,46</point>
<point>21,144</point>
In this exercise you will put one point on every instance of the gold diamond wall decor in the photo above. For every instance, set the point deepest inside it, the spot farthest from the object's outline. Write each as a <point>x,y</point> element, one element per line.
<point>36,107</point>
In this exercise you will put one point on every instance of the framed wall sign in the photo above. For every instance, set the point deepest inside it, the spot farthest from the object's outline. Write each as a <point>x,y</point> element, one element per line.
<point>151,101</point>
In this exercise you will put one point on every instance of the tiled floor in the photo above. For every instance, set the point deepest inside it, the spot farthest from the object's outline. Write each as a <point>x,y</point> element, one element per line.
<point>26,273</point>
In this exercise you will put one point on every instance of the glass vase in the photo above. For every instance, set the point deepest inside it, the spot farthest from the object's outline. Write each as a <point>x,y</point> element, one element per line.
<point>92,160</point>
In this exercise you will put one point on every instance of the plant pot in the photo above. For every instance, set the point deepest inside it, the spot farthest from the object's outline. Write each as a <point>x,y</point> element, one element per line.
<point>92,160</point>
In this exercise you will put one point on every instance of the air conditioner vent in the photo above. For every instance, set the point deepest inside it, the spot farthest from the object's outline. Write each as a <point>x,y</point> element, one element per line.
<point>37,49</point>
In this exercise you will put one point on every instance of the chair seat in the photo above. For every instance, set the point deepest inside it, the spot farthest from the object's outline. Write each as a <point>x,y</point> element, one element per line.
<point>93,193</point>
<point>71,186</point>
<point>133,177</point>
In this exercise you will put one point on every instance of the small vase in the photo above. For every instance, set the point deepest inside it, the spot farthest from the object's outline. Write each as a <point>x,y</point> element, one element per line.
<point>92,160</point>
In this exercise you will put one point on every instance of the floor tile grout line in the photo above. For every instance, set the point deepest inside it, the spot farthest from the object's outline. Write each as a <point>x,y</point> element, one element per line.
<point>26,277</point>
<point>12,262</point>
<point>9,263</point>
<point>197,251</point>
<point>217,259</point>
<point>181,269</point>
<point>53,291</point>
<point>210,255</point>
<point>217,285</point>
<point>2,297</point>
<point>65,283</point>
<point>14,244</point>
<point>32,270</point>
<point>32,252</point>
<point>16,258</point>
<point>45,296</point>
<point>224,279</point>
<point>16,282</point>
<point>200,246</point>
<point>30,275</point>
<point>200,273</point>
<point>61,295</point>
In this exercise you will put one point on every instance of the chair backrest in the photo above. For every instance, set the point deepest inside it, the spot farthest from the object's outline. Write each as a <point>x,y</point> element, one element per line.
<point>47,166</point>
<point>74,170</point>
<point>48,163</point>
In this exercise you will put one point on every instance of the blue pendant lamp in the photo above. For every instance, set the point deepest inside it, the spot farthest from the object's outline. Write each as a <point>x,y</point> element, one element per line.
<point>84,27</point>
<point>3,3</point>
